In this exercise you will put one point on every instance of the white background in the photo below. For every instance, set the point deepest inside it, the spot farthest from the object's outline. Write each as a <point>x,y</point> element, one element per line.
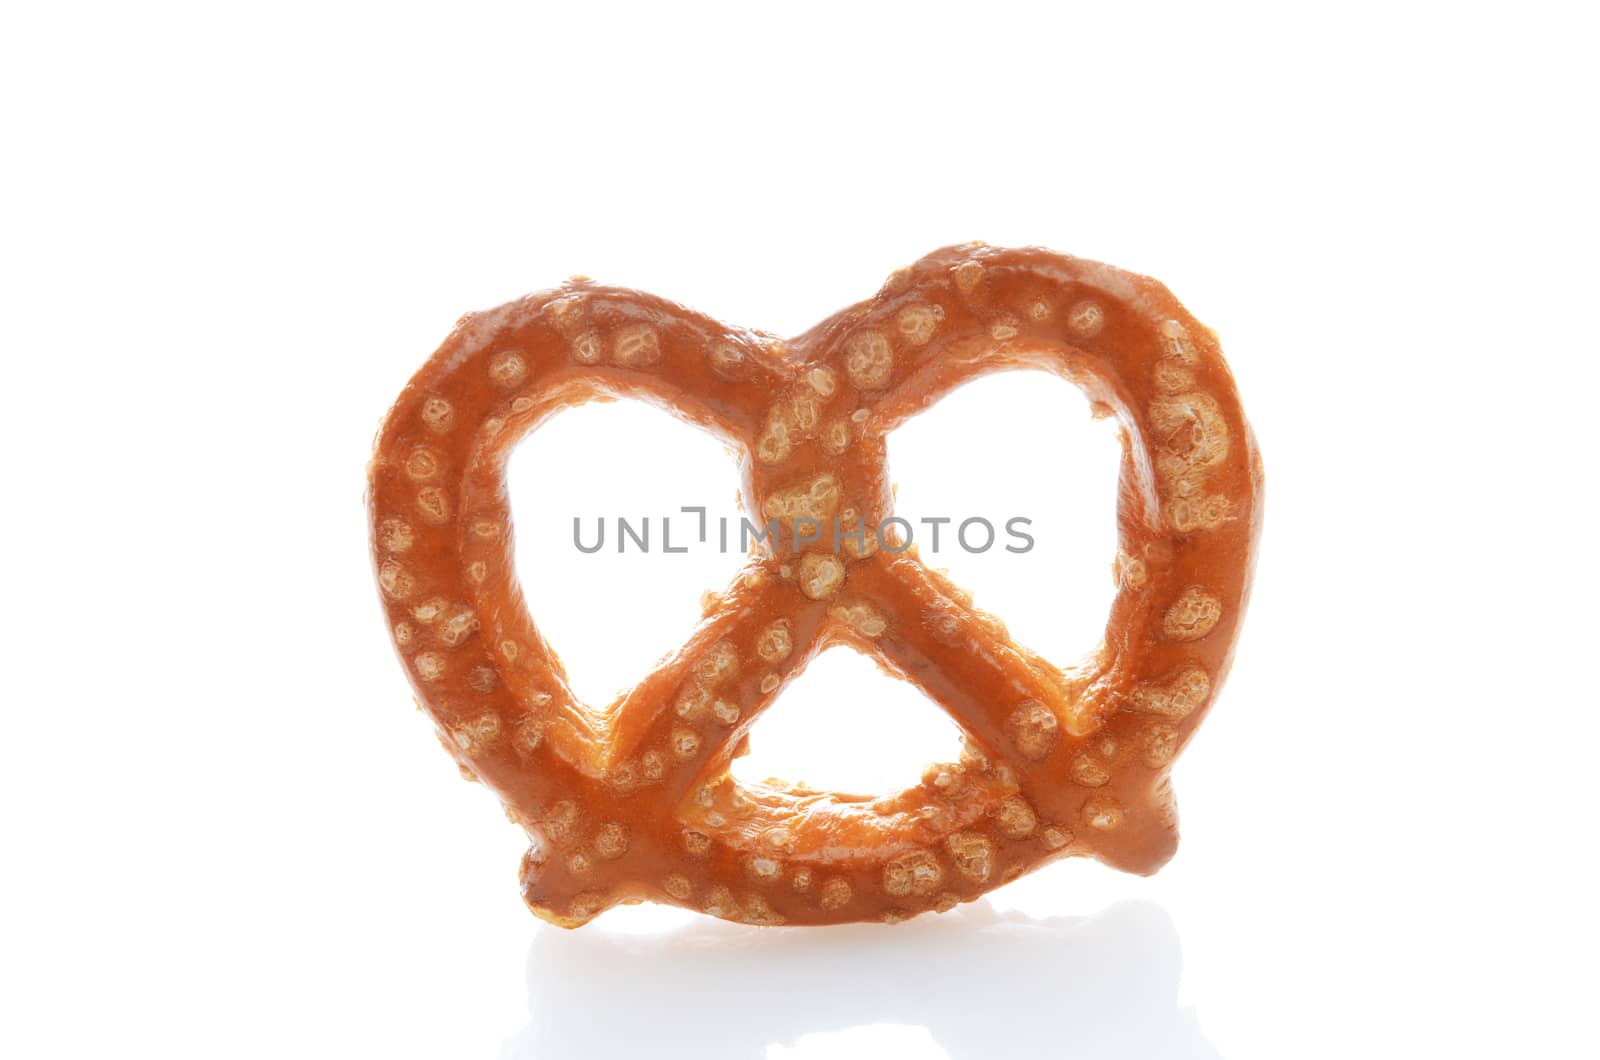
<point>230,235</point>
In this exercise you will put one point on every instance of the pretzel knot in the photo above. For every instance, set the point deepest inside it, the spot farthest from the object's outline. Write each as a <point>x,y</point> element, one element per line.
<point>635,802</point>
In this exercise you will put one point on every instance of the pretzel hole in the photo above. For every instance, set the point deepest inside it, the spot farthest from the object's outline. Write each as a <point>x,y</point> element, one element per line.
<point>614,613</point>
<point>846,726</point>
<point>1018,444</point>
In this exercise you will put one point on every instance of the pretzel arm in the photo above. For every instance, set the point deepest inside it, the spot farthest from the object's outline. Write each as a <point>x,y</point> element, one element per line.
<point>695,709</point>
<point>1047,737</point>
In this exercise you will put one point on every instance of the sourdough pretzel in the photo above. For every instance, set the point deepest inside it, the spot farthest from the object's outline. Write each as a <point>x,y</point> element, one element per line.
<point>634,802</point>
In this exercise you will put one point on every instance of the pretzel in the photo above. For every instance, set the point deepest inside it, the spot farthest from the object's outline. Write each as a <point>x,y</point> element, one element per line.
<point>635,802</point>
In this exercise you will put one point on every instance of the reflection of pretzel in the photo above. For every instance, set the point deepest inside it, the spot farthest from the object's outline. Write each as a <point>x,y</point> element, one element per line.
<point>635,802</point>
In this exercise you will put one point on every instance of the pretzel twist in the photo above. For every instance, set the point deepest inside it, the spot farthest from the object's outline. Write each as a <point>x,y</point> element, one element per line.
<point>635,802</point>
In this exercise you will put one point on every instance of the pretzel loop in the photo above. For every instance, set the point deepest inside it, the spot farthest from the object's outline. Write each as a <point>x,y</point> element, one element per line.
<point>635,801</point>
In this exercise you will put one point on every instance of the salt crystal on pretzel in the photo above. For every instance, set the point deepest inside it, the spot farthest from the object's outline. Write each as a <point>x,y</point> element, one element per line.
<point>636,801</point>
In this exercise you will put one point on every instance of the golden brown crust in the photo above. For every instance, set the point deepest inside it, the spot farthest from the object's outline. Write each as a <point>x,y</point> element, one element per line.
<point>635,801</point>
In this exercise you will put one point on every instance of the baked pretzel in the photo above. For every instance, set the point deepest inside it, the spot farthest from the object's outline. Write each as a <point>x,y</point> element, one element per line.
<point>635,802</point>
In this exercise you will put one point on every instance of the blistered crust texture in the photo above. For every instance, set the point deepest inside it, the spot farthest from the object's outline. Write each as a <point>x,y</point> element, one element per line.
<point>634,801</point>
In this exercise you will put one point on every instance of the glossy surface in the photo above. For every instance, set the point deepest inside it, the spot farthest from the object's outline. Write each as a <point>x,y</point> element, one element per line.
<point>633,801</point>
